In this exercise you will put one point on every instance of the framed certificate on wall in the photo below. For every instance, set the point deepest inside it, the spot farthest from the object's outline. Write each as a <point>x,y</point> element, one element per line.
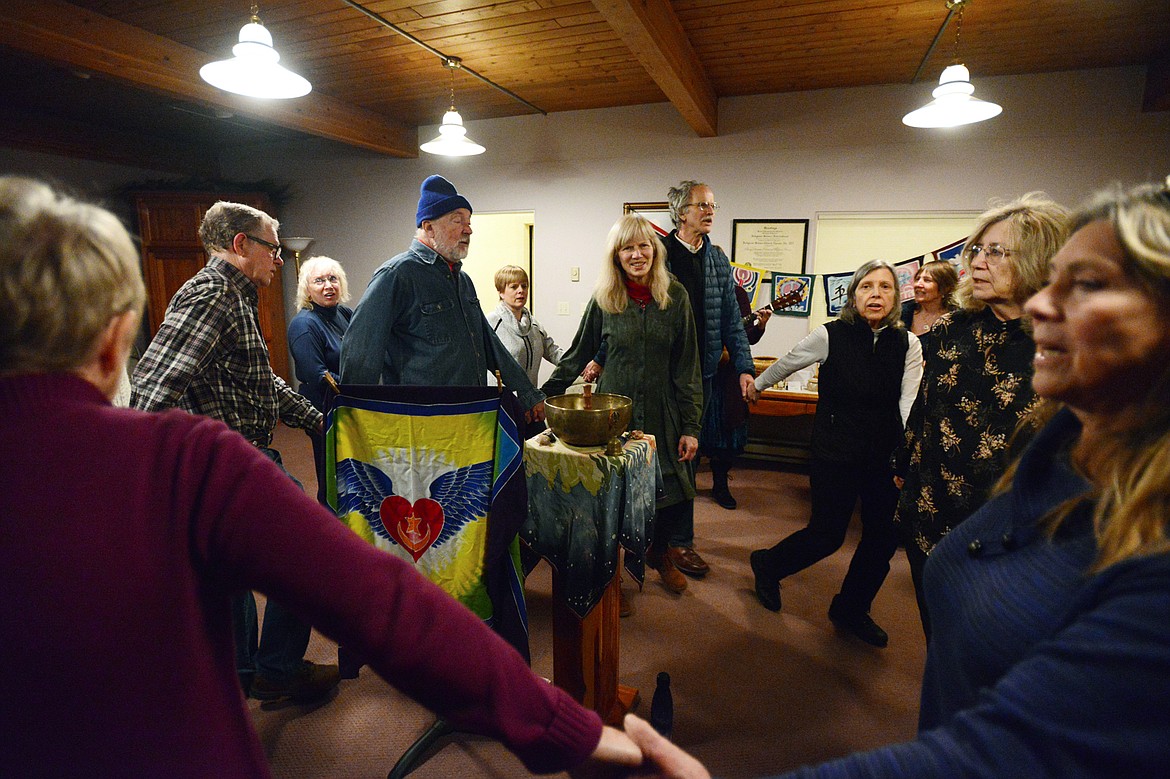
<point>778,245</point>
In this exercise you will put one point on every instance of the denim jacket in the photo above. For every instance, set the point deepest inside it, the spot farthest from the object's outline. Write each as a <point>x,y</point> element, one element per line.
<point>420,323</point>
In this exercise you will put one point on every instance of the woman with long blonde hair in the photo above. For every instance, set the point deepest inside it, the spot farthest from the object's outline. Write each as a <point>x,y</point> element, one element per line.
<point>653,357</point>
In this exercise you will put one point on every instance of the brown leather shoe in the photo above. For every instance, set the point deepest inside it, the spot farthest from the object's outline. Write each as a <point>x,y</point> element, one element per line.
<point>310,683</point>
<point>687,560</point>
<point>671,578</point>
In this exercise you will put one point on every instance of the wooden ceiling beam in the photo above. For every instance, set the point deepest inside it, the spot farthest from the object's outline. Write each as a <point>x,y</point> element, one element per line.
<point>653,33</point>
<point>69,35</point>
<point>70,138</point>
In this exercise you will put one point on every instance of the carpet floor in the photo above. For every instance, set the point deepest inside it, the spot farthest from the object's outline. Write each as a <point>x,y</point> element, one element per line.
<point>755,692</point>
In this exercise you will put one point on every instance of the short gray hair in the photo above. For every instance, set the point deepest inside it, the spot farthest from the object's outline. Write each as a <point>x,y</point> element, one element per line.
<point>225,220</point>
<point>66,269</point>
<point>680,197</point>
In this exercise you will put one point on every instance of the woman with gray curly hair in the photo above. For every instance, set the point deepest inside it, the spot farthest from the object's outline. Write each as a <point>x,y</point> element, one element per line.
<point>314,338</point>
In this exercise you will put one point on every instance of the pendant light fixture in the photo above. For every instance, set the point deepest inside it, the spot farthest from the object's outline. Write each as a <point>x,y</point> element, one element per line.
<point>954,102</point>
<point>255,70</point>
<point>452,140</point>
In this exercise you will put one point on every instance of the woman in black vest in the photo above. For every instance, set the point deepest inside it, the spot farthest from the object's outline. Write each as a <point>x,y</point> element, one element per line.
<point>870,369</point>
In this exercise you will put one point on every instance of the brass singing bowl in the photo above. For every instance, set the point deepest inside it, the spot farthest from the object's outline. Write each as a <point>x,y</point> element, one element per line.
<point>606,418</point>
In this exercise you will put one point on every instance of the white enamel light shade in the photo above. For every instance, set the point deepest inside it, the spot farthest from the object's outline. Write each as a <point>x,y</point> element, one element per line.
<point>255,70</point>
<point>452,140</point>
<point>954,103</point>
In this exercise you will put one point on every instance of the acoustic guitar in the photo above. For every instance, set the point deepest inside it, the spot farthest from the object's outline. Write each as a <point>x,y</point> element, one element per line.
<point>779,304</point>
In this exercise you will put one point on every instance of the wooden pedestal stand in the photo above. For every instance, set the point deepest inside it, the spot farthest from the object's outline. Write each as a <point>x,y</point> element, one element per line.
<point>585,655</point>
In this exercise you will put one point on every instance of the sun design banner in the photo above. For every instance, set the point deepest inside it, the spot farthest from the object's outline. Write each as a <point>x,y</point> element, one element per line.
<point>751,279</point>
<point>433,475</point>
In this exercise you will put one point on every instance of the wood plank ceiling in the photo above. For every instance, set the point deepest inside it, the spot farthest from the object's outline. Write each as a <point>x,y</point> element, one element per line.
<point>372,88</point>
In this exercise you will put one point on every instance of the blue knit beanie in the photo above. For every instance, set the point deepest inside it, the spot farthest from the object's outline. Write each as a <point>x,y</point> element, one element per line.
<point>437,196</point>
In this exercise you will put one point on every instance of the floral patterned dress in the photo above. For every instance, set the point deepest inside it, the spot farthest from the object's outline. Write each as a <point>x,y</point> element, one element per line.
<point>976,389</point>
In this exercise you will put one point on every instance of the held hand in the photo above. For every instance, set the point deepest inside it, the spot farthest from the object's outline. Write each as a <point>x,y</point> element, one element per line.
<point>747,387</point>
<point>592,371</point>
<point>762,317</point>
<point>662,759</point>
<point>899,481</point>
<point>614,756</point>
<point>688,447</point>
<point>535,414</point>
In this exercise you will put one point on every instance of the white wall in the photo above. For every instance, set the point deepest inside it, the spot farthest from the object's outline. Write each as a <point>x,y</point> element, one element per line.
<point>777,156</point>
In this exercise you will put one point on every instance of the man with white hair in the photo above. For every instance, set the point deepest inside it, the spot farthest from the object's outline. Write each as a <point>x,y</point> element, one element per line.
<point>420,321</point>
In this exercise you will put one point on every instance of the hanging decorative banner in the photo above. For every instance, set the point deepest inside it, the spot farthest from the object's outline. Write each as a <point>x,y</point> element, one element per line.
<point>751,279</point>
<point>434,475</point>
<point>906,270</point>
<point>953,253</point>
<point>836,287</point>
<point>785,286</point>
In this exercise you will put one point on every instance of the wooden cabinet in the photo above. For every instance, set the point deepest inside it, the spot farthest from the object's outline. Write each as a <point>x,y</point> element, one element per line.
<point>168,223</point>
<point>780,427</point>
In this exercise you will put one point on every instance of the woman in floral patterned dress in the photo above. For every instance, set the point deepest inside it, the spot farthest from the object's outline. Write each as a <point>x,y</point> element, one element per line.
<point>977,384</point>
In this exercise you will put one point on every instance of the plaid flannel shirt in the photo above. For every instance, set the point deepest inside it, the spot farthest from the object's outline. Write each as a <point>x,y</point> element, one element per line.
<point>209,358</point>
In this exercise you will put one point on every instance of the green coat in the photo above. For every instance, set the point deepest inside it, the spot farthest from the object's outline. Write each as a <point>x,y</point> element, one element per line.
<point>652,358</point>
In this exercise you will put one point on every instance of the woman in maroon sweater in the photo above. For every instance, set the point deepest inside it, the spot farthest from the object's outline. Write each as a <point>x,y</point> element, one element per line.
<point>123,534</point>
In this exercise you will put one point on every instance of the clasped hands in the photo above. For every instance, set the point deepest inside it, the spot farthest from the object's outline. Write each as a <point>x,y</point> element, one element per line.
<point>638,751</point>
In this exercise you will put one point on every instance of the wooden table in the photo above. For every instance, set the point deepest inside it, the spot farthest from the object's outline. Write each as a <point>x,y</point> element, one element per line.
<point>582,508</point>
<point>785,403</point>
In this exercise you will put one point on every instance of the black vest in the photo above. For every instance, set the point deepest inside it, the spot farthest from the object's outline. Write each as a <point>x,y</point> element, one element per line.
<point>860,384</point>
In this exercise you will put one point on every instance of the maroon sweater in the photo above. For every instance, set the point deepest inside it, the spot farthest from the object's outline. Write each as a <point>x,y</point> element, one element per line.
<point>122,535</point>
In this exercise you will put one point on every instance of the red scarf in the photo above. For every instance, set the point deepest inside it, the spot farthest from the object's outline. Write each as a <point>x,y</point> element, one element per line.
<point>640,293</point>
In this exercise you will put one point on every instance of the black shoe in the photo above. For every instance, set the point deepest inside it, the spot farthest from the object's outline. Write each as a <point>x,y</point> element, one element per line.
<point>767,587</point>
<point>309,684</point>
<point>859,624</point>
<point>721,495</point>
<point>719,491</point>
<point>349,665</point>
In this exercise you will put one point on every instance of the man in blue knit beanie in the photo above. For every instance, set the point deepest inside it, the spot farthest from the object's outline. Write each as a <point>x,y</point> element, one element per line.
<point>420,322</point>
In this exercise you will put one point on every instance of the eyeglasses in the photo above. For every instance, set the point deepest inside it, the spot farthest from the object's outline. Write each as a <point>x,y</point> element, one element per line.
<point>320,281</point>
<point>272,247</point>
<point>712,207</point>
<point>995,253</point>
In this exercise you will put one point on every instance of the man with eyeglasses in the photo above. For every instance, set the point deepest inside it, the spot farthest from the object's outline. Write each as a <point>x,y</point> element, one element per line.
<point>706,271</point>
<point>209,357</point>
<point>420,323</point>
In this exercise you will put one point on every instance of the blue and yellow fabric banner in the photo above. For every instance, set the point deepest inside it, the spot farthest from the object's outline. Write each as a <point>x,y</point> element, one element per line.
<point>434,475</point>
